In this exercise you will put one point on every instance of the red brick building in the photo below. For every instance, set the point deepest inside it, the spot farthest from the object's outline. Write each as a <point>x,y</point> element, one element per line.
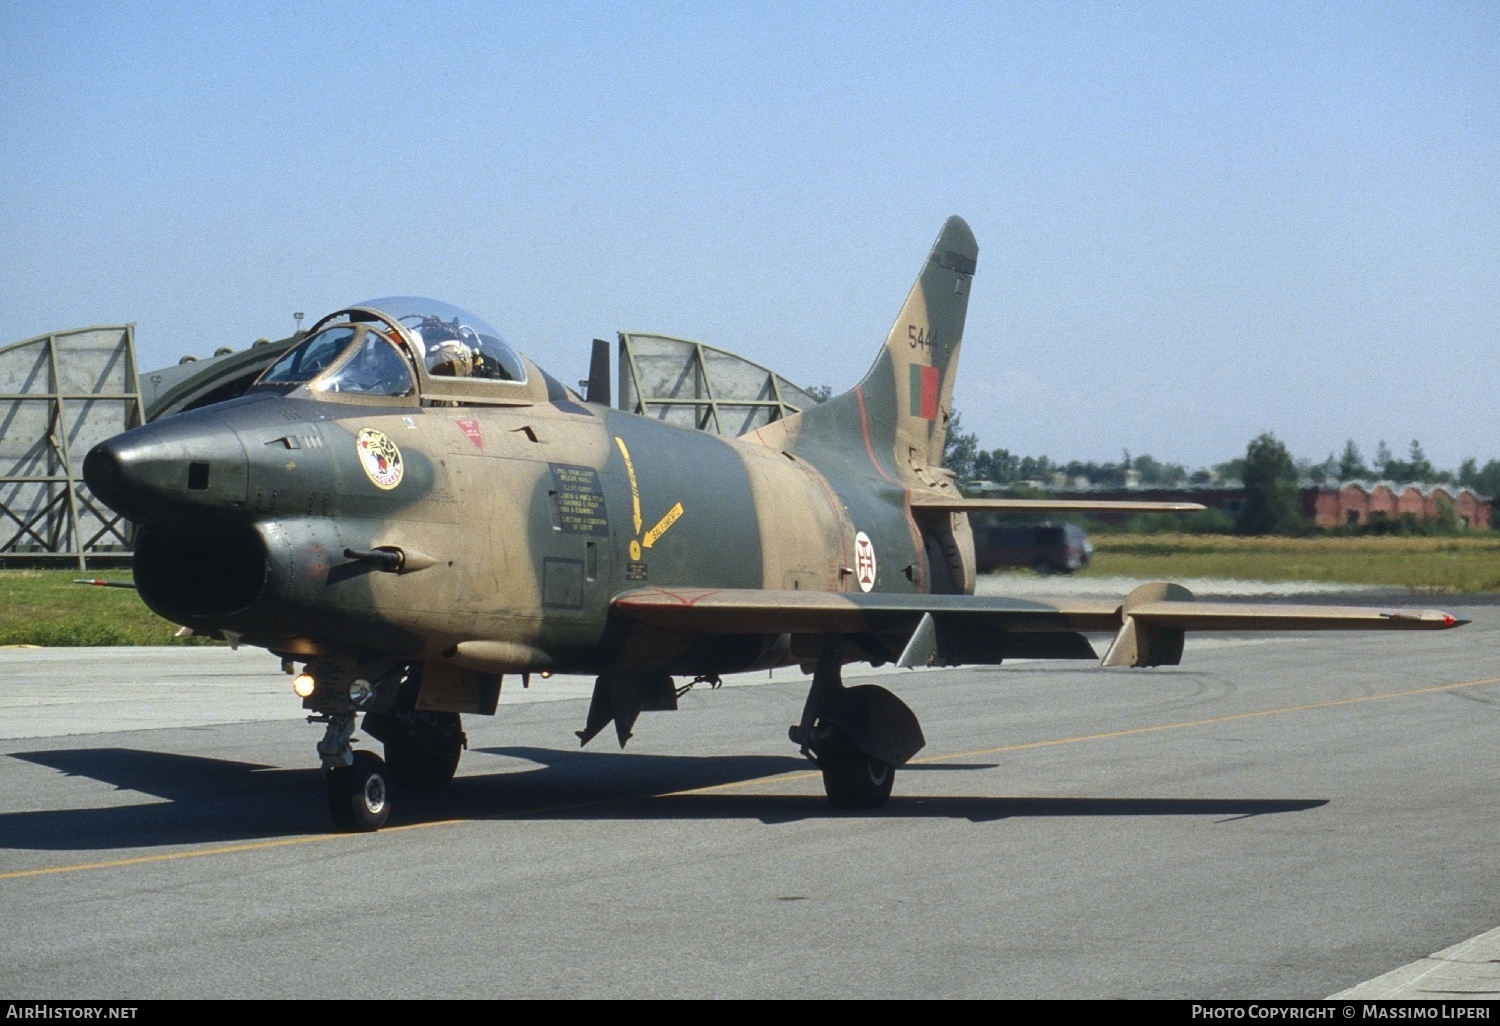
<point>1352,502</point>
<point>1359,502</point>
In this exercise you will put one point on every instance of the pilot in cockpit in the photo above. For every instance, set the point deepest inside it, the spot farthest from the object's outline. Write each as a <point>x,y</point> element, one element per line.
<point>450,350</point>
<point>450,358</point>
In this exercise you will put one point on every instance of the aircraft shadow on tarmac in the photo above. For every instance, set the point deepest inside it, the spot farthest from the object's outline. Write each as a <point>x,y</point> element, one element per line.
<point>206,801</point>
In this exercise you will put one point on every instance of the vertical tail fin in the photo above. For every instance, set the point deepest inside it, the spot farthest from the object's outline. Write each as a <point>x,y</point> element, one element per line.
<point>916,393</point>
<point>898,414</point>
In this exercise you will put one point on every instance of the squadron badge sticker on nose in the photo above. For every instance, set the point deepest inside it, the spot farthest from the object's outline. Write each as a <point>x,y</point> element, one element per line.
<point>380,458</point>
<point>864,561</point>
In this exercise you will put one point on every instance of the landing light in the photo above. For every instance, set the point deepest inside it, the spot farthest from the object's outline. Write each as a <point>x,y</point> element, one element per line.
<point>360,691</point>
<point>303,684</point>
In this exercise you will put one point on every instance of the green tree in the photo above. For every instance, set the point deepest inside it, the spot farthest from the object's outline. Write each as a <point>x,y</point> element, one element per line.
<point>1468,470</point>
<point>998,465</point>
<point>1036,468</point>
<point>1320,473</point>
<point>1386,464</point>
<point>1270,478</point>
<point>1158,474</point>
<point>1484,481</point>
<point>1231,470</point>
<point>959,450</point>
<point>1419,466</point>
<point>1351,465</point>
<point>1447,515</point>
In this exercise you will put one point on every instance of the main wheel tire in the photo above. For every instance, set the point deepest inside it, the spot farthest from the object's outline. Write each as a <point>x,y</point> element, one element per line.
<point>359,796</point>
<point>427,760</point>
<point>852,779</point>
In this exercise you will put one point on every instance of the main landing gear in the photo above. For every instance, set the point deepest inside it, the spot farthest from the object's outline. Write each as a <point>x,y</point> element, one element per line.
<point>856,736</point>
<point>422,748</point>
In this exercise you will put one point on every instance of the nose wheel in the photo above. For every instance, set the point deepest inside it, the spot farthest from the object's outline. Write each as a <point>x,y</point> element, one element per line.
<point>338,688</point>
<point>359,795</point>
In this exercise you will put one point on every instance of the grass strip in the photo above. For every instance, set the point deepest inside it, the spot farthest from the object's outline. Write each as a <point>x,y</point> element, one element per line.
<point>45,607</point>
<point>1448,564</point>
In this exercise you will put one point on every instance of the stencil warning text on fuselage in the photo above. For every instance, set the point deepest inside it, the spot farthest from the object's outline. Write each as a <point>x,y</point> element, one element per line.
<point>579,500</point>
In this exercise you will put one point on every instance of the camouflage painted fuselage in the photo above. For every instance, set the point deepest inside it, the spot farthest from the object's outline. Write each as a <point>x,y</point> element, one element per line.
<point>491,524</point>
<point>533,518</point>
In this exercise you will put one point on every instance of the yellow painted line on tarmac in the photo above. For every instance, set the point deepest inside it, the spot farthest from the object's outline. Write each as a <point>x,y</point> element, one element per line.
<point>228,849</point>
<point>777,778</point>
<point>1331,703</point>
<point>1128,732</point>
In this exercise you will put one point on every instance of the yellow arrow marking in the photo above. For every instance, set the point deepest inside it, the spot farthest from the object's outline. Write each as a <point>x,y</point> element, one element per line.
<point>662,525</point>
<point>635,493</point>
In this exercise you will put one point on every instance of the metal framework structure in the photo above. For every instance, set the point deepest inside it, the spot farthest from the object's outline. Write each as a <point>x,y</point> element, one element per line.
<point>693,385</point>
<point>60,394</point>
<point>193,382</point>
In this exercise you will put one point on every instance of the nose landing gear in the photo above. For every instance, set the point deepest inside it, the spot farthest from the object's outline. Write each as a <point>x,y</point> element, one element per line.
<point>359,782</point>
<point>359,795</point>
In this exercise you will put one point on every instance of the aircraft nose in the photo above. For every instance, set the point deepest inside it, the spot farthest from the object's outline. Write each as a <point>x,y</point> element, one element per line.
<point>104,473</point>
<point>184,462</point>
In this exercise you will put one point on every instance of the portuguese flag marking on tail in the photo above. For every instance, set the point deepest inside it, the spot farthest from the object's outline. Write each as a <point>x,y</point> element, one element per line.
<point>924,392</point>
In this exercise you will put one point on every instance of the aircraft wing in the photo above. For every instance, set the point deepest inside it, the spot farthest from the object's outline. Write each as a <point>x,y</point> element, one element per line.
<point>748,611</point>
<point>954,629</point>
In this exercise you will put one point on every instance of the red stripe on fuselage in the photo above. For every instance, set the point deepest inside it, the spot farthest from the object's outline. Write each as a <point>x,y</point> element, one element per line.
<point>864,429</point>
<point>916,535</point>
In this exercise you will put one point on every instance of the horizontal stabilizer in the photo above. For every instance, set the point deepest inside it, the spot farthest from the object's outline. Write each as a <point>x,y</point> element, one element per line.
<point>1236,616</point>
<point>1154,617</point>
<point>959,504</point>
<point>983,629</point>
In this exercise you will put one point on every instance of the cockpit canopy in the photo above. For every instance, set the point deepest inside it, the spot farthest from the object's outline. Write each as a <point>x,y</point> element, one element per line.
<point>402,347</point>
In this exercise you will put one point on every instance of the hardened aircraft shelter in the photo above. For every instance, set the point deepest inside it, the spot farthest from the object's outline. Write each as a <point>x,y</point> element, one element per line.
<point>60,394</point>
<point>693,385</point>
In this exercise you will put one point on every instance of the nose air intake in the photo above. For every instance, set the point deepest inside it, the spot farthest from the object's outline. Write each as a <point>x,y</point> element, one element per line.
<point>200,572</point>
<point>183,482</point>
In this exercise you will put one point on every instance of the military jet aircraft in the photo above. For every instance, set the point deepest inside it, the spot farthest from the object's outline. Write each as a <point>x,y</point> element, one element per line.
<point>407,510</point>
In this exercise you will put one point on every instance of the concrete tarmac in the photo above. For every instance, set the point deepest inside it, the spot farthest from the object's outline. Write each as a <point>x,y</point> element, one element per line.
<point>1290,816</point>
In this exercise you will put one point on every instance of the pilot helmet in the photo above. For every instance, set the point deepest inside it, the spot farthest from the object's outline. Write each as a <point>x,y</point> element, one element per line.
<point>450,358</point>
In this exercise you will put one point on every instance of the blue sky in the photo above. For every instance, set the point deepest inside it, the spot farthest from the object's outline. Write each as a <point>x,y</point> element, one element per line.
<point>1197,221</point>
